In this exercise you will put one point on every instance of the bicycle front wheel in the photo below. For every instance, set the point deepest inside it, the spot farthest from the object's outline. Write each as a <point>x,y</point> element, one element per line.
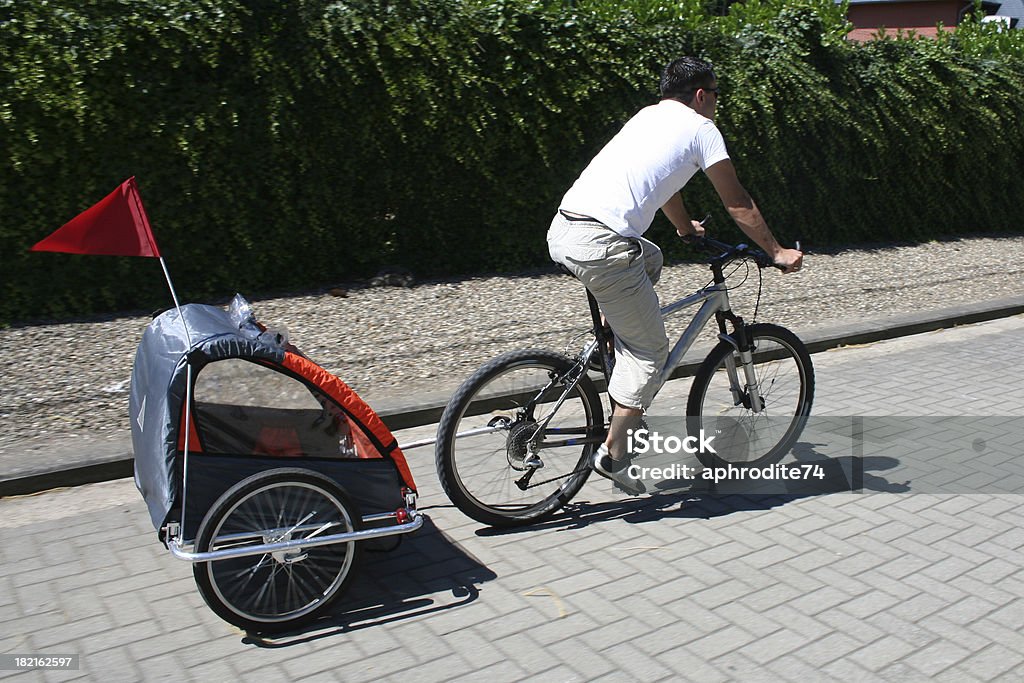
<point>500,459</point>
<point>720,404</point>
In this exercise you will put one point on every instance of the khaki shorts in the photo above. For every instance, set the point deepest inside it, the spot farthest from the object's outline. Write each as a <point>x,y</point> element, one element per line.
<point>621,273</point>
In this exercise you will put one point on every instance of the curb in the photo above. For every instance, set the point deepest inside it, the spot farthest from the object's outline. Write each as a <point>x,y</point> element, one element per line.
<point>92,473</point>
<point>427,408</point>
<point>905,324</point>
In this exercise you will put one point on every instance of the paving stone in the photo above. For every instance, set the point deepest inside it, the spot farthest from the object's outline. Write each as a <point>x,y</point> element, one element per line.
<point>729,639</point>
<point>530,656</point>
<point>936,658</point>
<point>949,568</point>
<point>653,614</point>
<point>918,607</point>
<point>843,622</point>
<point>769,648</point>
<point>627,629</point>
<point>117,638</point>
<point>112,665</point>
<point>792,668</point>
<point>831,648</point>
<point>772,596</point>
<point>993,571</point>
<point>882,653</point>
<point>914,635</point>
<point>693,666</point>
<point>577,623</point>
<point>847,671</point>
<point>968,610</point>
<point>70,632</point>
<point>675,636</point>
<point>947,591</point>
<point>1010,615</point>
<point>995,662</point>
<point>820,600</point>
<point>997,633</point>
<point>632,661</point>
<point>956,674</point>
<point>581,658</point>
<point>951,632</point>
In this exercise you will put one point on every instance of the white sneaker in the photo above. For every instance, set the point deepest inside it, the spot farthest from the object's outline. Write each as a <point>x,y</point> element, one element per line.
<point>616,470</point>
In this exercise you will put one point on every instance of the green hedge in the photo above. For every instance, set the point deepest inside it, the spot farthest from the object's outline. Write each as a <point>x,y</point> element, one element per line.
<point>287,145</point>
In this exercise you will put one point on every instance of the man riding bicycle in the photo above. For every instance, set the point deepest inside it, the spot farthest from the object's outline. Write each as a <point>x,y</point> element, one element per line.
<point>598,233</point>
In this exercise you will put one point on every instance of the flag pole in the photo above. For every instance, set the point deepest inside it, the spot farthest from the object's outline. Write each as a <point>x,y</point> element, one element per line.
<point>174,296</point>
<point>188,385</point>
<point>133,192</point>
<point>170,285</point>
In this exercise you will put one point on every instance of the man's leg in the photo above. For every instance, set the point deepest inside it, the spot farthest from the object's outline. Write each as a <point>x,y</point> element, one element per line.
<point>623,420</point>
<point>620,272</point>
<point>625,292</point>
<point>651,332</point>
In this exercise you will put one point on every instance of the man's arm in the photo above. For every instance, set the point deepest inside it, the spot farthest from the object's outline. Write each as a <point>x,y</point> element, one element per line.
<point>676,212</point>
<point>744,211</point>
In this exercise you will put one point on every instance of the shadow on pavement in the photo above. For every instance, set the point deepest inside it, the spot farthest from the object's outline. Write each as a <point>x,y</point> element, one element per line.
<point>425,574</point>
<point>704,499</point>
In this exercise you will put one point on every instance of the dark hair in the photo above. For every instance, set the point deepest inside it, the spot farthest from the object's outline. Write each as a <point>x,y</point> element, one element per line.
<point>681,79</point>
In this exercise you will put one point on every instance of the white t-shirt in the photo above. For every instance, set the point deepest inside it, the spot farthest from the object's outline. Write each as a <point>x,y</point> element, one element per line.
<point>650,159</point>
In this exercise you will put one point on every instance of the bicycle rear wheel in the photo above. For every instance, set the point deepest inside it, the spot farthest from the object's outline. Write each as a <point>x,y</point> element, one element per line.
<point>785,382</point>
<point>494,425</point>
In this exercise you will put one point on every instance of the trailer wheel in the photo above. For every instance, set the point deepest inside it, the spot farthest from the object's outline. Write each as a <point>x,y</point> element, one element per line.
<point>278,591</point>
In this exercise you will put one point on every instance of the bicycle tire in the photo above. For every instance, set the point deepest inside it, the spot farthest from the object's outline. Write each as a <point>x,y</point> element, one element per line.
<point>276,592</point>
<point>479,472</point>
<point>746,439</point>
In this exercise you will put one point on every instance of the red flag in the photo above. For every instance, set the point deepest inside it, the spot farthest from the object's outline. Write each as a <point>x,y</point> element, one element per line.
<point>115,226</point>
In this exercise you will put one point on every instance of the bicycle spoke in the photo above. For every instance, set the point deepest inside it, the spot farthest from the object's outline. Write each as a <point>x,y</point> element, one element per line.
<point>482,472</point>
<point>784,386</point>
<point>286,585</point>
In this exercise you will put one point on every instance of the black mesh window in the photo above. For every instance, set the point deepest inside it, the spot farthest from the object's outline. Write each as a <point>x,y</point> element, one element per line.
<point>243,407</point>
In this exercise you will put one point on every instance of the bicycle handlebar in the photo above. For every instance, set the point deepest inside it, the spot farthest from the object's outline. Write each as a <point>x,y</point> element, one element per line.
<point>729,252</point>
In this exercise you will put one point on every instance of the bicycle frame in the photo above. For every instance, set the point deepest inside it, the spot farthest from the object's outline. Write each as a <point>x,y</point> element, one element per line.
<point>714,301</point>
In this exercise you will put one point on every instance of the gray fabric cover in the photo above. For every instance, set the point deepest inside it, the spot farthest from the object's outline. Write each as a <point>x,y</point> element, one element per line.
<point>159,379</point>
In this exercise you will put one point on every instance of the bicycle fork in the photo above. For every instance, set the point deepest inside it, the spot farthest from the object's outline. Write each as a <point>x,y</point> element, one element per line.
<point>744,389</point>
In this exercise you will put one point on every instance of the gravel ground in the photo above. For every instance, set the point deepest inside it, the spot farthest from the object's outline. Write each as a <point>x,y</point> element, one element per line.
<point>72,379</point>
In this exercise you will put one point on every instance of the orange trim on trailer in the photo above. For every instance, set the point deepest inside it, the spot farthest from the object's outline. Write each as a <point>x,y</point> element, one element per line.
<point>350,401</point>
<point>194,444</point>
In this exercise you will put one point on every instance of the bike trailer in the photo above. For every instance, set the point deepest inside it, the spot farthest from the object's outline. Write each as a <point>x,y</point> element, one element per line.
<point>259,466</point>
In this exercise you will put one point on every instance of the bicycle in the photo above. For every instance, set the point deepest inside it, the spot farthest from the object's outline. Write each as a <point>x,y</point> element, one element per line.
<point>515,440</point>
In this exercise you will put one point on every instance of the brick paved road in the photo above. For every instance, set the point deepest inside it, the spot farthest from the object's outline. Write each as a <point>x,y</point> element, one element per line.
<point>848,586</point>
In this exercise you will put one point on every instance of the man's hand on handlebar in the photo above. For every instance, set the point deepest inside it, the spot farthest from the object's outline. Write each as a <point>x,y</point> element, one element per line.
<point>789,260</point>
<point>786,260</point>
<point>696,230</point>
